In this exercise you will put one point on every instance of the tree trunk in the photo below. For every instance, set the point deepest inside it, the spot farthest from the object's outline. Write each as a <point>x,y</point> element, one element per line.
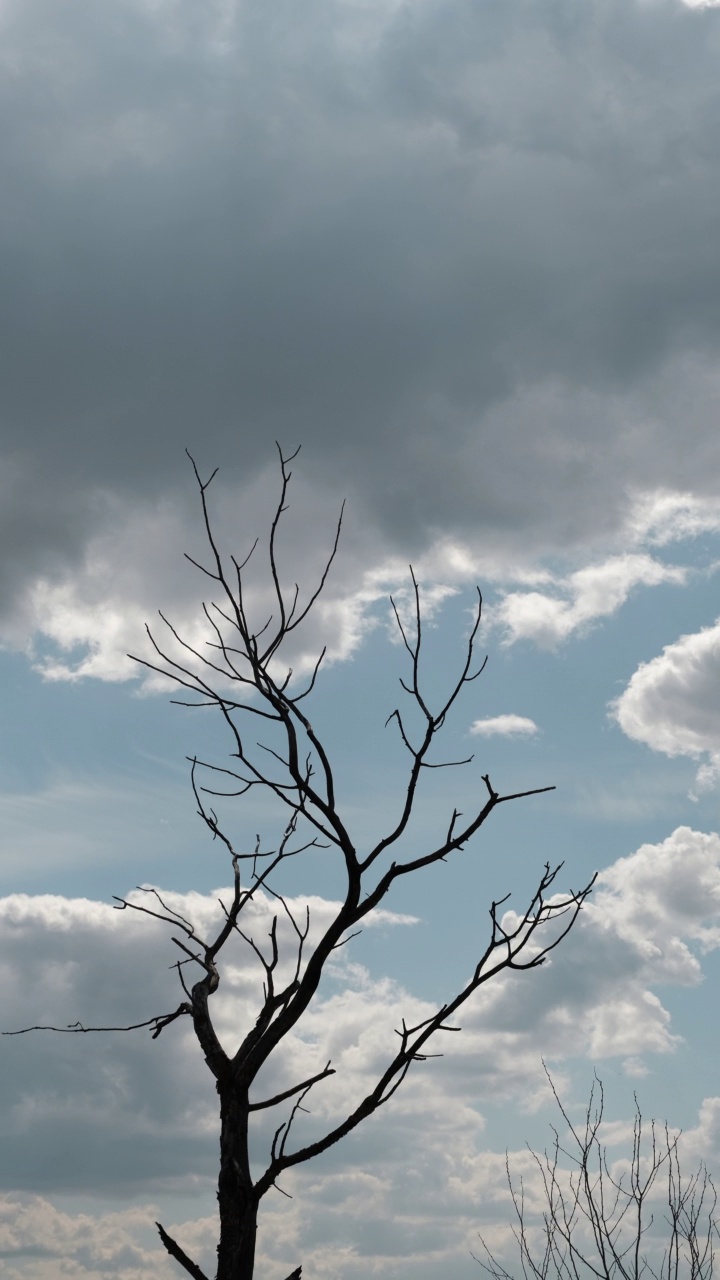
<point>236,1197</point>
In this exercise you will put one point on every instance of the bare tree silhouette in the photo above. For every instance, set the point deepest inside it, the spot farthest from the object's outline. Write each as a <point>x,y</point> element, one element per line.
<point>239,674</point>
<point>602,1223</point>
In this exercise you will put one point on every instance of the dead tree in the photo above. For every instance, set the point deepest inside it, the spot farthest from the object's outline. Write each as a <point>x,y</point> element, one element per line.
<point>240,675</point>
<point>600,1219</point>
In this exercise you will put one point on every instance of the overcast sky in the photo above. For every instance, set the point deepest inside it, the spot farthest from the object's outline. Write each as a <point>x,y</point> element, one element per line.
<point>465,253</point>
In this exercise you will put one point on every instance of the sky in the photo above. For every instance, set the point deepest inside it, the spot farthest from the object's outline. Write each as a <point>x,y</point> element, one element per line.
<point>466,256</point>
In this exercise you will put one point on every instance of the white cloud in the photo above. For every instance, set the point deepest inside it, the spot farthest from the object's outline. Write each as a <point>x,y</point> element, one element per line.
<point>672,703</point>
<point>560,605</point>
<point>38,1241</point>
<point>84,622</point>
<point>141,1115</point>
<point>662,516</point>
<point>337,1223</point>
<point>579,599</point>
<point>647,917</point>
<point>596,997</point>
<point>665,893</point>
<point>505,726</point>
<point>703,1141</point>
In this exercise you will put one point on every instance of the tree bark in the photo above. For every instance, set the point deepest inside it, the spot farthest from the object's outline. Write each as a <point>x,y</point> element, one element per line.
<point>237,1199</point>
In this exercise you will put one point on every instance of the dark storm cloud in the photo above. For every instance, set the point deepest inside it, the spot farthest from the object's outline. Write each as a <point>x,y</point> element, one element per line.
<point>456,250</point>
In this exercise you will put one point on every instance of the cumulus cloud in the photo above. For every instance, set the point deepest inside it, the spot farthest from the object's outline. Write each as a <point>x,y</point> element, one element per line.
<point>38,1241</point>
<point>664,893</point>
<point>90,962</point>
<point>672,705</point>
<point>648,917</point>
<point>83,623</point>
<point>140,1113</point>
<point>703,1141</point>
<point>579,599</point>
<point>664,515</point>
<point>505,726</point>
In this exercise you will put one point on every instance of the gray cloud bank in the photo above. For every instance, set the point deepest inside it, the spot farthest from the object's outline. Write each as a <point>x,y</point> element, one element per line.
<point>467,254</point>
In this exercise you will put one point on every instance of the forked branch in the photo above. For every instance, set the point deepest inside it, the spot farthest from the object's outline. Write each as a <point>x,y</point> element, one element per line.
<point>504,951</point>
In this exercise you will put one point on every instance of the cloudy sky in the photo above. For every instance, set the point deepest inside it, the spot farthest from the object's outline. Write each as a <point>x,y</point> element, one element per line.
<point>466,253</point>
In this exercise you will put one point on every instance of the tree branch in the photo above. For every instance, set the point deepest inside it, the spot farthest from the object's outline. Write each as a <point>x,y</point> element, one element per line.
<point>179,1254</point>
<point>77,1028</point>
<point>289,1093</point>
<point>501,953</point>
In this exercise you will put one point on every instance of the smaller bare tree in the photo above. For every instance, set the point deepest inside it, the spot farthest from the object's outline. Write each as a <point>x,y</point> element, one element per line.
<point>601,1222</point>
